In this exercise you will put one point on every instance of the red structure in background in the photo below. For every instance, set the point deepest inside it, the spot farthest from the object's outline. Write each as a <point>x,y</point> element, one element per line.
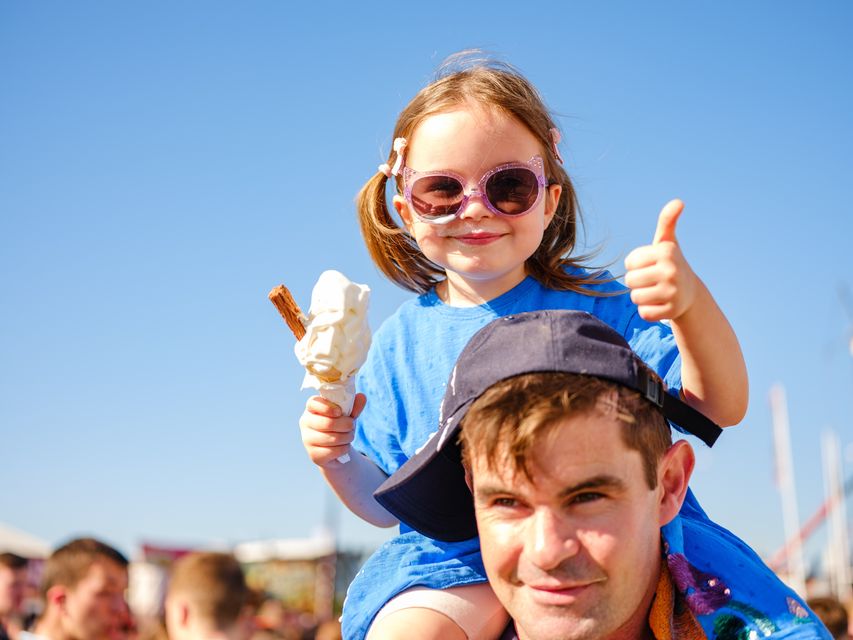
<point>778,559</point>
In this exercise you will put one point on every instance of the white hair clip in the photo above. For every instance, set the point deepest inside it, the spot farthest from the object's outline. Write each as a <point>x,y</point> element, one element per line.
<point>399,147</point>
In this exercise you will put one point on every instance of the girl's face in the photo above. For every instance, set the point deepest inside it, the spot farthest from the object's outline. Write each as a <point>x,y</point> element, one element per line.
<point>483,254</point>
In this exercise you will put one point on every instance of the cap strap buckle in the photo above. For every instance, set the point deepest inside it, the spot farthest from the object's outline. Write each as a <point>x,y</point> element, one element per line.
<point>654,390</point>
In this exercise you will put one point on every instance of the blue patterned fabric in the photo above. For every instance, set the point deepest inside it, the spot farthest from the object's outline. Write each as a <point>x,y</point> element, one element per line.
<point>732,593</point>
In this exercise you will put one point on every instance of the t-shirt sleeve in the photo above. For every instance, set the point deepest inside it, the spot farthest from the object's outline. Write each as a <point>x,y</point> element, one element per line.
<point>655,344</point>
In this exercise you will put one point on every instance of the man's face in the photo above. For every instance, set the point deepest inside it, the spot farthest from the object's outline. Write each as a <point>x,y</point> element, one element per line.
<point>576,552</point>
<point>12,583</point>
<point>95,608</point>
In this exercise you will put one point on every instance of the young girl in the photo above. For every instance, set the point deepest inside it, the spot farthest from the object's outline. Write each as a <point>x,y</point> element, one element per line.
<point>489,221</point>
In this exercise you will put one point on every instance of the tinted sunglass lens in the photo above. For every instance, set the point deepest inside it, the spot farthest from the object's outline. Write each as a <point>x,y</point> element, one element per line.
<point>437,196</point>
<point>512,191</point>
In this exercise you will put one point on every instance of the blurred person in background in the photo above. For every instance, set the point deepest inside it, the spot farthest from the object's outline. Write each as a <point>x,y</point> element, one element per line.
<point>13,577</point>
<point>208,599</point>
<point>833,614</point>
<point>83,587</point>
<point>329,630</point>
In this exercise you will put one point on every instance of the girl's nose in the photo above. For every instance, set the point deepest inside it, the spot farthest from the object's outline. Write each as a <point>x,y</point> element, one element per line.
<point>475,208</point>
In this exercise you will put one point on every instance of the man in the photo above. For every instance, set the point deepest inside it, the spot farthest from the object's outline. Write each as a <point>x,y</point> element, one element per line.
<point>207,599</point>
<point>13,576</point>
<point>83,586</point>
<point>576,491</point>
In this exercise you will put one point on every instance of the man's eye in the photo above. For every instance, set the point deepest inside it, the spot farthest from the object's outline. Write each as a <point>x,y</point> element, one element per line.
<point>590,496</point>
<point>504,502</point>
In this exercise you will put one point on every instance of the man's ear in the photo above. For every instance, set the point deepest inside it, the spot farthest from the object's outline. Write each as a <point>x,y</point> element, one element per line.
<point>402,208</point>
<point>183,613</point>
<point>674,473</point>
<point>469,479</point>
<point>177,610</point>
<point>56,596</point>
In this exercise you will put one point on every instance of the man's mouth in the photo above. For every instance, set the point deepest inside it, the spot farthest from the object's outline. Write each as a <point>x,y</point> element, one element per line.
<point>560,594</point>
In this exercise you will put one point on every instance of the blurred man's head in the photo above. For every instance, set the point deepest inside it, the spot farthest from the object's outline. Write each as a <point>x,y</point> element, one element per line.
<point>84,587</point>
<point>13,579</point>
<point>207,596</point>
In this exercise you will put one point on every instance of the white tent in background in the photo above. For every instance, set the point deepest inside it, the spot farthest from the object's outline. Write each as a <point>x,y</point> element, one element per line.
<point>24,544</point>
<point>319,546</point>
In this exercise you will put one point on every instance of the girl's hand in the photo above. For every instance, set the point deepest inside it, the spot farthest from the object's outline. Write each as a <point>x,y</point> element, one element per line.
<point>326,434</point>
<point>662,284</point>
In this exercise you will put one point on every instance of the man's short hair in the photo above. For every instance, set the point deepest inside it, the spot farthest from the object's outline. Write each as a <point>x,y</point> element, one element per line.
<point>213,584</point>
<point>70,563</point>
<point>12,561</point>
<point>506,424</point>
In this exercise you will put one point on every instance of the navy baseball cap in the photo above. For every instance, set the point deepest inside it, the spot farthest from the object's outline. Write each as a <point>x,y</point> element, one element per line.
<point>429,492</point>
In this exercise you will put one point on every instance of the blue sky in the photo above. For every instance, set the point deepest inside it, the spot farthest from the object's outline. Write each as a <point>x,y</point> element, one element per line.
<point>163,165</point>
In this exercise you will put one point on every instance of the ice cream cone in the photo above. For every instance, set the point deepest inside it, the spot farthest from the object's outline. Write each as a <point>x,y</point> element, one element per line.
<point>332,341</point>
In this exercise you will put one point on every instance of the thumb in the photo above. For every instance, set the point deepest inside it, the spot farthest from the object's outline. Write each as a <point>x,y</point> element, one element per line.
<point>667,220</point>
<point>358,405</point>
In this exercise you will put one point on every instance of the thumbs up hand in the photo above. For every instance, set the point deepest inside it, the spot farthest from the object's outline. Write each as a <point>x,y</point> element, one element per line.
<point>662,284</point>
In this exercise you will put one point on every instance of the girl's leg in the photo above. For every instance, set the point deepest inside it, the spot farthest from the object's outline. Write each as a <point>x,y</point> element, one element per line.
<point>471,612</point>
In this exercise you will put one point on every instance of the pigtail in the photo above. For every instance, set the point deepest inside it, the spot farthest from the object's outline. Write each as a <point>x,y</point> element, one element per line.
<point>392,249</point>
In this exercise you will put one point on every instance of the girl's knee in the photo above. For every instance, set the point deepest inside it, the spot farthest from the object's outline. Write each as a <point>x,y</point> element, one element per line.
<point>415,624</point>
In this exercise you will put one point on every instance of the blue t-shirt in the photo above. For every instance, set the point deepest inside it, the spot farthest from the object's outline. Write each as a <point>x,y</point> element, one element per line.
<point>404,377</point>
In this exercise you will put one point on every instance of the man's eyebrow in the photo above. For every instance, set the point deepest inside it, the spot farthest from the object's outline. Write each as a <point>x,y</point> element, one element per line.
<point>603,481</point>
<point>490,490</point>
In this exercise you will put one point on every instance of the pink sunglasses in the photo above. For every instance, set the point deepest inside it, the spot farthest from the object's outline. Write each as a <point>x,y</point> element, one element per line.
<point>511,190</point>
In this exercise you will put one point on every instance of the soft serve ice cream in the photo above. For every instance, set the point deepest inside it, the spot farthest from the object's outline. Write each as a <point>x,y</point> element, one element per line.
<point>336,338</point>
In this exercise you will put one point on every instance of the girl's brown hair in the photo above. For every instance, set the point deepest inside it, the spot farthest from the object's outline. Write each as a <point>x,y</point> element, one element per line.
<point>488,83</point>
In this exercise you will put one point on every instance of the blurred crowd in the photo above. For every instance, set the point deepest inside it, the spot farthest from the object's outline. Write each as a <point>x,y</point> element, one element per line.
<point>80,593</point>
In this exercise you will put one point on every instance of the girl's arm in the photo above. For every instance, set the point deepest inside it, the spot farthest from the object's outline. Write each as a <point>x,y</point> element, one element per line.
<point>327,435</point>
<point>664,287</point>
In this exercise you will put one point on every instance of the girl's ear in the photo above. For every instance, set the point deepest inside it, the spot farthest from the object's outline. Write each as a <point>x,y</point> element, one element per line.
<point>402,208</point>
<point>552,200</point>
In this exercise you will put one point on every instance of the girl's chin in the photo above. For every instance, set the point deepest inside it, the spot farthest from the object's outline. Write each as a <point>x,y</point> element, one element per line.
<point>488,282</point>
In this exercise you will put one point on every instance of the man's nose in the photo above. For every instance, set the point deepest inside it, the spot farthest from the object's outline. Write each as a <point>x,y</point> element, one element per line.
<point>550,540</point>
